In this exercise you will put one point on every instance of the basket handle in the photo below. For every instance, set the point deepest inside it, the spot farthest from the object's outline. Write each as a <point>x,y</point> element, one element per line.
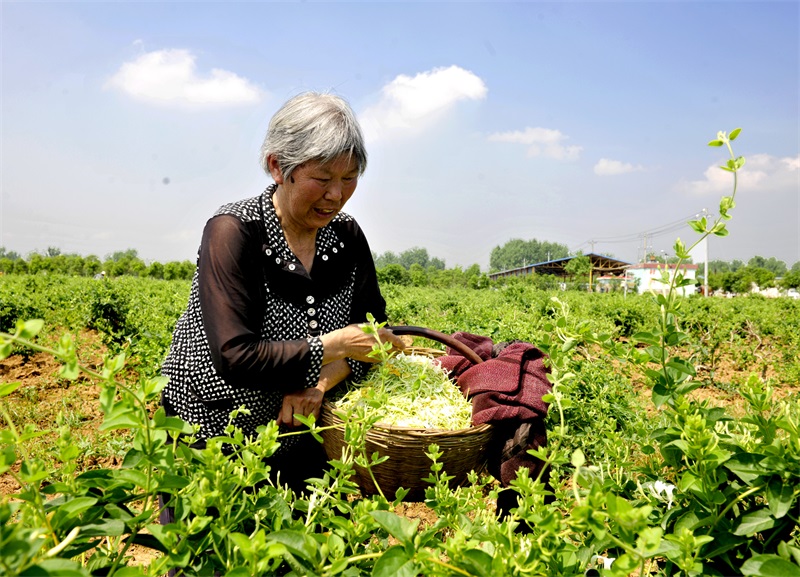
<point>439,337</point>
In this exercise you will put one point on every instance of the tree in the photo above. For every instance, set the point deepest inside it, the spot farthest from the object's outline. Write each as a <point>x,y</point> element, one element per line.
<point>740,281</point>
<point>37,263</point>
<point>791,280</point>
<point>385,259</point>
<point>777,267</point>
<point>436,264</point>
<point>11,255</point>
<point>155,270</point>
<point>119,255</point>
<point>579,267</point>
<point>415,255</point>
<point>394,274</point>
<point>418,275</point>
<point>91,265</point>
<point>762,277</point>
<point>517,253</point>
<point>718,266</point>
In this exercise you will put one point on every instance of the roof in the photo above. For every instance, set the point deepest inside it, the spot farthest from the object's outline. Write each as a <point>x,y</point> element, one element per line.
<point>656,265</point>
<point>600,264</point>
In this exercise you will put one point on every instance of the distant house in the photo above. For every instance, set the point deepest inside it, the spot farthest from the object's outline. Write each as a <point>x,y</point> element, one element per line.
<point>648,276</point>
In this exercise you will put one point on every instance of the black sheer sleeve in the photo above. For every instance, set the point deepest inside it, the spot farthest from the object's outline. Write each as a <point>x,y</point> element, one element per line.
<point>367,299</point>
<point>230,281</point>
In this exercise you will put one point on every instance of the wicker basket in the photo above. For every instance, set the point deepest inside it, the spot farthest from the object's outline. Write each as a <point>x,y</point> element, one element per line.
<point>463,450</point>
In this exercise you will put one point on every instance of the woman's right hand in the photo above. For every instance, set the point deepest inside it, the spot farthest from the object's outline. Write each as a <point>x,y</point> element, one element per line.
<point>352,342</point>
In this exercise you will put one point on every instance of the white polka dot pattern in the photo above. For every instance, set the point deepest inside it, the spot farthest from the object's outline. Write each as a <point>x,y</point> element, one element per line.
<point>196,391</point>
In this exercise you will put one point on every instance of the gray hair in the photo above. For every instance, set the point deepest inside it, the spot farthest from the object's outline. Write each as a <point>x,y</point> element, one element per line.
<point>313,126</point>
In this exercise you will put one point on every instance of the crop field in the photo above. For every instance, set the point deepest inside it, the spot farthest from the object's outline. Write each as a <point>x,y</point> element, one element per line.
<point>689,467</point>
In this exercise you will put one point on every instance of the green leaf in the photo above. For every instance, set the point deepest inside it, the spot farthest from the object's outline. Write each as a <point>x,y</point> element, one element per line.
<point>578,458</point>
<point>698,226</point>
<point>660,395</point>
<point>137,478</point>
<point>243,542</point>
<point>55,568</point>
<point>338,566</point>
<point>769,566</point>
<point>716,143</point>
<point>123,421</point>
<point>75,507</point>
<point>720,230</point>
<point>754,522</point>
<point>399,527</point>
<point>8,388</point>
<point>568,345</point>
<point>131,571</point>
<point>734,133</point>
<point>780,497</point>
<point>746,466</point>
<point>297,543</point>
<point>646,338</point>
<point>69,370</point>
<point>479,562</point>
<point>395,562</point>
<point>682,366</point>
<point>31,328</point>
<point>107,527</point>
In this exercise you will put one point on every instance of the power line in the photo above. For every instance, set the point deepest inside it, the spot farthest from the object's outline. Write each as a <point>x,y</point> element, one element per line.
<point>650,233</point>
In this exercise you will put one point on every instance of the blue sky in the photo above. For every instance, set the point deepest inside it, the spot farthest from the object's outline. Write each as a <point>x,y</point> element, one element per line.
<point>125,125</point>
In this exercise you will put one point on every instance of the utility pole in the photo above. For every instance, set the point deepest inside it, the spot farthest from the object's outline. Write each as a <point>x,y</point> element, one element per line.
<point>705,258</point>
<point>705,267</point>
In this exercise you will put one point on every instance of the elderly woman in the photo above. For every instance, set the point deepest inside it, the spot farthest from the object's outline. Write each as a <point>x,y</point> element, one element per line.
<point>282,281</point>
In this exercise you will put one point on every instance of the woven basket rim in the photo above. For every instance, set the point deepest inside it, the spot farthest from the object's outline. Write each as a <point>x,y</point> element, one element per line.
<point>473,429</point>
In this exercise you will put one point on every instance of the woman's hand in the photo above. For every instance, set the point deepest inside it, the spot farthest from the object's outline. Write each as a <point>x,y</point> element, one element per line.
<point>352,342</point>
<point>303,402</point>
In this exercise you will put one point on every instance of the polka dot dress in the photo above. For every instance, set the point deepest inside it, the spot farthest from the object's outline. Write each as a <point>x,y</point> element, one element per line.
<point>196,391</point>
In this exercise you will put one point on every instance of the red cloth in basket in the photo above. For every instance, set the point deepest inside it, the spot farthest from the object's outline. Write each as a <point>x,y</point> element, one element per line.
<point>506,390</point>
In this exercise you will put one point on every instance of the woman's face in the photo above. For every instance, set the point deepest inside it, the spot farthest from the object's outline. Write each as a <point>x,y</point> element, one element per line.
<point>315,192</point>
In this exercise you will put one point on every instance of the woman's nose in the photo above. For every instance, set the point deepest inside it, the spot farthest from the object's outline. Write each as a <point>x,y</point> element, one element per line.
<point>334,190</point>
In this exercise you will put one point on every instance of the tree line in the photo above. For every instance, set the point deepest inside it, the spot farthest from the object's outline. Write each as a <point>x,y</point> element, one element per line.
<point>739,277</point>
<point>120,263</point>
<point>411,267</point>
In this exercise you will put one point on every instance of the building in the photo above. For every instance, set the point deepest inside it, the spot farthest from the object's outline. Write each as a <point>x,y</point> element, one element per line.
<point>647,277</point>
<point>611,274</point>
<point>601,265</point>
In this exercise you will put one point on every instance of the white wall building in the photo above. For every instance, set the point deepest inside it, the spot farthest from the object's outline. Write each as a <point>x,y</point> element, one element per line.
<point>648,276</point>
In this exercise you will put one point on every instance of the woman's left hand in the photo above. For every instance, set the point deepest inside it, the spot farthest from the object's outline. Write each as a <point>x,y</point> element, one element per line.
<point>303,402</point>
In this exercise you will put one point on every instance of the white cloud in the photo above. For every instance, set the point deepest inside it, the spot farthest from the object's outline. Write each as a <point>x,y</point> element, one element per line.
<point>170,77</point>
<point>410,104</point>
<point>761,173</point>
<point>540,142</point>
<point>608,167</point>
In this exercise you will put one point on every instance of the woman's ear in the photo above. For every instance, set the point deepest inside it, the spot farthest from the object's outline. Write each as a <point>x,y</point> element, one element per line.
<point>275,169</point>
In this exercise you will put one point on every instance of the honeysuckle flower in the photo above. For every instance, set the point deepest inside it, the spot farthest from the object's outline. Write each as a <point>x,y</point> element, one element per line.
<point>606,561</point>
<point>662,490</point>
